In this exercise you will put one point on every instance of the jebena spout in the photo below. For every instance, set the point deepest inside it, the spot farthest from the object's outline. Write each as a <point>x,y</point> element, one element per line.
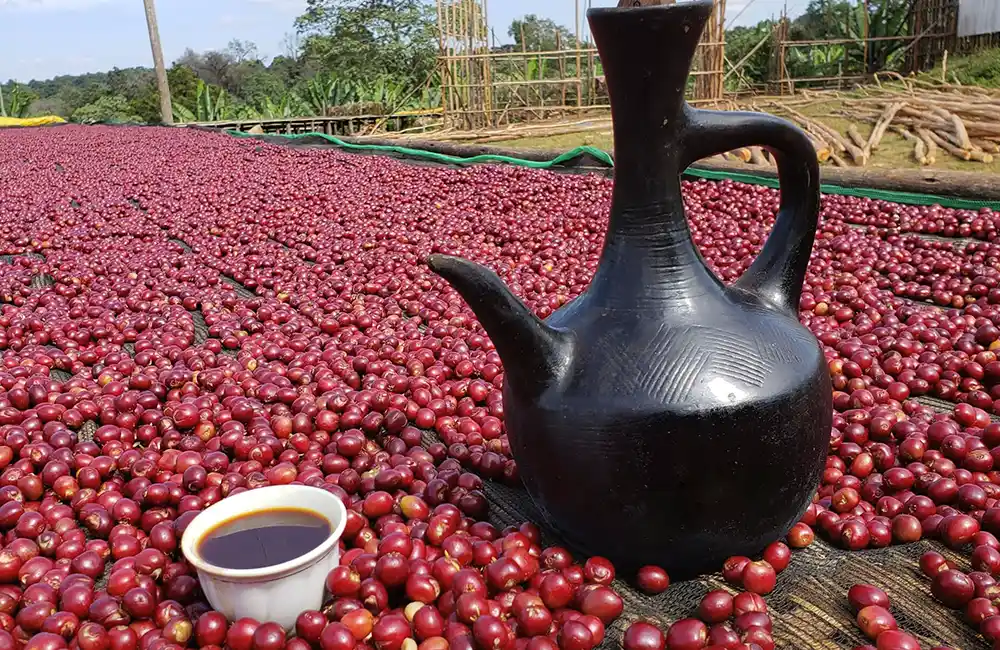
<point>533,353</point>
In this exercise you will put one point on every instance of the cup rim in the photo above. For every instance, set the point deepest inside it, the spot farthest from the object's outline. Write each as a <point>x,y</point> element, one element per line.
<point>189,540</point>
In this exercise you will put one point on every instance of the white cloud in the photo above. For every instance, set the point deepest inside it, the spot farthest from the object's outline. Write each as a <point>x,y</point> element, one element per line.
<point>49,5</point>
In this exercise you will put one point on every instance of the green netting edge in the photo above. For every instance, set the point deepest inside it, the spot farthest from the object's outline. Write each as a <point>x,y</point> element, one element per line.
<point>909,198</point>
<point>445,158</point>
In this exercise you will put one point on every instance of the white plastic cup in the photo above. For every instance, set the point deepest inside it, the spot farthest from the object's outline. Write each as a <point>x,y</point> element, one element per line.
<point>276,593</point>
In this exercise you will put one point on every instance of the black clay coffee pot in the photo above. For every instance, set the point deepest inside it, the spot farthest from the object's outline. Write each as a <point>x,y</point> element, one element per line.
<point>662,417</point>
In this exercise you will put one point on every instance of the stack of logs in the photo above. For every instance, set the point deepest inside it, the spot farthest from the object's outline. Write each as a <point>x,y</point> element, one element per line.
<point>959,121</point>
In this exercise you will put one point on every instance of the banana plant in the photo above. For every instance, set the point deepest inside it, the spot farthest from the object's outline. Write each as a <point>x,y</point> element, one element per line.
<point>536,70</point>
<point>323,92</point>
<point>183,114</point>
<point>16,104</point>
<point>887,19</point>
<point>288,105</point>
<point>207,108</point>
<point>384,91</point>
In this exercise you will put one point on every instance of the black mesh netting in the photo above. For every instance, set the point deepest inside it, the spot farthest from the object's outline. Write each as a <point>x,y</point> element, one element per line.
<point>87,431</point>
<point>183,244</point>
<point>60,375</point>
<point>42,280</point>
<point>809,606</point>
<point>241,290</point>
<point>200,328</point>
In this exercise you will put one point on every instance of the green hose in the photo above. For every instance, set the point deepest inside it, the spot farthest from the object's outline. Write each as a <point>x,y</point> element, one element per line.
<point>908,198</point>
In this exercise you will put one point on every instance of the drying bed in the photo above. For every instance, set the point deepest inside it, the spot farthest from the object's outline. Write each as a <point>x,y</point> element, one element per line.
<point>186,314</point>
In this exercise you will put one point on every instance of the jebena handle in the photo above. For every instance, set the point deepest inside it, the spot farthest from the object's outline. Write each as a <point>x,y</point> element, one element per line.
<point>779,270</point>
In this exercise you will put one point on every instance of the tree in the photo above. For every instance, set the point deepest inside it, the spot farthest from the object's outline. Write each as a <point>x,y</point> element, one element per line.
<point>146,104</point>
<point>291,47</point>
<point>887,20</point>
<point>539,34</point>
<point>109,108</point>
<point>822,19</point>
<point>212,67</point>
<point>49,106</point>
<point>257,83</point>
<point>183,83</point>
<point>740,43</point>
<point>288,70</point>
<point>242,51</point>
<point>367,39</point>
<point>130,82</point>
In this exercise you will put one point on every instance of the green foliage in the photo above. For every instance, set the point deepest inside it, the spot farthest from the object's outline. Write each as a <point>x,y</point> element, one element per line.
<point>822,19</point>
<point>367,39</point>
<point>740,43</point>
<point>979,69</point>
<point>259,84</point>
<point>287,70</point>
<point>15,101</point>
<point>288,105</point>
<point>838,19</point>
<point>183,84</point>
<point>539,34</point>
<point>362,56</point>
<point>130,82</point>
<point>106,109</point>
<point>211,104</point>
<point>324,91</point>
<point>827,20</point>
<point>49,106</point>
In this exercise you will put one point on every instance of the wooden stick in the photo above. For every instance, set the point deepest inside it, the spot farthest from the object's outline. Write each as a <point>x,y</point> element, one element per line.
<point>743,154</point>
<point>919,148</point>
<point>931,145</point>
<point>821,147</point>
<point>961,154</point>
<point>856,153</point>
<point>757,157</point>
<point>961,132</point>
<point>981,156</point>
<point>837,160</point>
<point>987,145</point>
<point>883,123</point>
<point>855,136</point>
<point>860,143</point>
<point>830,134</point>
<point>951,138</point>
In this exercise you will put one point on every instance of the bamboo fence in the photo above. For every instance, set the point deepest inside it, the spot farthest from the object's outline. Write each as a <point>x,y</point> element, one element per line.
<point>485,86</point>
<point>931,35</point>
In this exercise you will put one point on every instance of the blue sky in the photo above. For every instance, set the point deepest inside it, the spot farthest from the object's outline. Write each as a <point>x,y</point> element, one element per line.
<point>43,38</point>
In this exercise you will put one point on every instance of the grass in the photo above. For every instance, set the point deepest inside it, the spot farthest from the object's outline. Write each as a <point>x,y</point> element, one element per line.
<point>979,69</point>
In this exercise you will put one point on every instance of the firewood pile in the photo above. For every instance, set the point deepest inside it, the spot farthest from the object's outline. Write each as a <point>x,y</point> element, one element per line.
<point>935,120</point>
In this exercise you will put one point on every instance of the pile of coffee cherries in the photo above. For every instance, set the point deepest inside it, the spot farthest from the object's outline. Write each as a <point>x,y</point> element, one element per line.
<point>186,316</point>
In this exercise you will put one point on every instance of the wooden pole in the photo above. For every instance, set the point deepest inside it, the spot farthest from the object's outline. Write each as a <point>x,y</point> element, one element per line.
<point>579,72</point>
<point>166,107</point>
<point>487,65</point>
<point>562,67</point>
<point>443,65</point>
<point>865,36</point>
